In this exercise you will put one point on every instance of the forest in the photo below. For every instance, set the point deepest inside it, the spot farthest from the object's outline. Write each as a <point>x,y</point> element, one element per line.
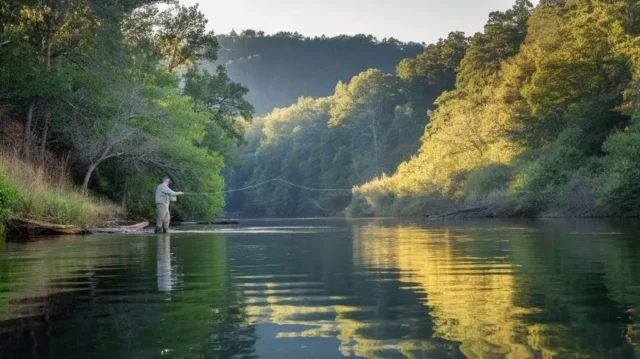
<point>100,99</point>
<point>535,116</point>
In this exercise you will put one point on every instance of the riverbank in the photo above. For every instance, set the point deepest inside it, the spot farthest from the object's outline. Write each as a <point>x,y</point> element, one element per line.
<point>46,194</point>
<point>40,199</point>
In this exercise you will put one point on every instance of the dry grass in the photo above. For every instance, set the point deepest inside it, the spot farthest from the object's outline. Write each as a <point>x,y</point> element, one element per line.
<point>47,194</point>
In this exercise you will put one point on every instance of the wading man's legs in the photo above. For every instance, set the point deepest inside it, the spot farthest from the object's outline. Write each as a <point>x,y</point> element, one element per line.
<point>162,224</point>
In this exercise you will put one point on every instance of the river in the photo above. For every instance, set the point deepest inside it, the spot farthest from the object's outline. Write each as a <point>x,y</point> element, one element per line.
<point>328,288</point>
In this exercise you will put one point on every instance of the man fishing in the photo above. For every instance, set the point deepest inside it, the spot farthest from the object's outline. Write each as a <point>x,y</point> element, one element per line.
<point>164,195</point>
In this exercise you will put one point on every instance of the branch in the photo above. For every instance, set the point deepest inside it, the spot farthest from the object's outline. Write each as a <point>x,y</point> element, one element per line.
<point>162,165</point>
<point>77,109</point>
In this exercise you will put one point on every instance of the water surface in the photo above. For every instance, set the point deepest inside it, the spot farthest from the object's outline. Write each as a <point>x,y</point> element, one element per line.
<point>324,288</point>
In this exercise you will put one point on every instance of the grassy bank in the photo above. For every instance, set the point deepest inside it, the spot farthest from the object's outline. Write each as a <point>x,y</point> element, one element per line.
<point>45,193</point>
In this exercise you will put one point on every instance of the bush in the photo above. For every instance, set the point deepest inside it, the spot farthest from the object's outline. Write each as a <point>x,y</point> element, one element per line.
<point>432,203</point>
<point>8,197</point>
<point>482,182</point>
<point>544,176</point>
<point>621,182</point>
<point>502,204</point>
<point>578,197</point>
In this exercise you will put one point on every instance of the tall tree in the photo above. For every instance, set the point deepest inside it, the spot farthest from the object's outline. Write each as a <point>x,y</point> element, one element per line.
<point>223,100</point>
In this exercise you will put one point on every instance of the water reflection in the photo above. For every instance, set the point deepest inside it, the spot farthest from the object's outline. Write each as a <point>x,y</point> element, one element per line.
<point>468,282</point>
<point>361,289</point>
<point>165,274</point>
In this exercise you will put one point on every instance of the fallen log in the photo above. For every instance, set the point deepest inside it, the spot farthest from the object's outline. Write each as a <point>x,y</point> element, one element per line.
<point>138,227</point>
<point>29,228</point>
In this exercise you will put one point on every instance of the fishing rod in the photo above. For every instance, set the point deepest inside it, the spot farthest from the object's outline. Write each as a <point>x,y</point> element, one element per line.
<point>269,181</point>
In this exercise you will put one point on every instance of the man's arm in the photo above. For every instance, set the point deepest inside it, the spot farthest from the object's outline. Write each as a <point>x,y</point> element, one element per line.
<point>166,190</point>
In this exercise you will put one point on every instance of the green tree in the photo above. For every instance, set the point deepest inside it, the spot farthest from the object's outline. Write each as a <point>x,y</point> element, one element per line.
<point>224,103</point>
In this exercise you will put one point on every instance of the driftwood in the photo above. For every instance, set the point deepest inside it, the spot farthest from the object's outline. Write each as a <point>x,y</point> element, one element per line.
<point>467,212</point>
<point>138,227</point>
<point>30,228</point>
<point>19,227</point>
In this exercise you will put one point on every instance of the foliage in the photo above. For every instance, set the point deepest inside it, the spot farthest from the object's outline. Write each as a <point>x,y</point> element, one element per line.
<point>621,186</point>
<point>365,129</point>
<point>102,83</point>
<point>8,196</point>
<point>537,98</point>
<point>537,115</point>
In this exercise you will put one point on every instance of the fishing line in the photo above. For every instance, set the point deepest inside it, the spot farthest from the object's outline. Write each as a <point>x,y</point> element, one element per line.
<point>273,180</point>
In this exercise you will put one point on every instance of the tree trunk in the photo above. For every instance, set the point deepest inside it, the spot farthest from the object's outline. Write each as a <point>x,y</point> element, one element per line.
<point>376,149</point>
<point>48,42</point>
<point>45,133</point>
<point>87,177</point>
<point>26,137</point>
<point>47,108</point>
<point>124,194</point>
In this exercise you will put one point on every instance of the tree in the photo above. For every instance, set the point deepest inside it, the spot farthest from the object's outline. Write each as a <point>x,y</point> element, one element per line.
<point>365,105</point>
<point>54,29</point>
<point>177,35</point>
<point>223,100</point>
<point>101,80</point>
<point>503,35</point>
<point>183,39</point>
<point>434,71</point>
<point>116,132</point>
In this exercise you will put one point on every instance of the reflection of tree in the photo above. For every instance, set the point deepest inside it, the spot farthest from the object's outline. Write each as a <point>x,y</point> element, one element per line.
<point>468,286</point>
<point>622,277</point>
<point>315,287</point>
<point>205,317</point>
<point>6,270</point>
<point>392,292</point>
<point>105,302</point>
<point>516,292</point>
<point>569,279</point>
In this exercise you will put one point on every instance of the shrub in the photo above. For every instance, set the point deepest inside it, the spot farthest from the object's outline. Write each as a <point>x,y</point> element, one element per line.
<point>8,197</point>
<point>621,182</point>
<point>486,180</point>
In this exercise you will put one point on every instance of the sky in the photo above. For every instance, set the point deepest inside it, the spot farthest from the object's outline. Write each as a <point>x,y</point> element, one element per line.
<point>405,20</point>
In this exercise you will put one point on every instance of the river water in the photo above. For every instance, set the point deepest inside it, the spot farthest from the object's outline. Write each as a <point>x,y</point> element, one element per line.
<point>328,288</point>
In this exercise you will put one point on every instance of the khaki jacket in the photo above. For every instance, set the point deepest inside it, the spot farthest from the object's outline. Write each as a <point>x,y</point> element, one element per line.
<point>164,195</point>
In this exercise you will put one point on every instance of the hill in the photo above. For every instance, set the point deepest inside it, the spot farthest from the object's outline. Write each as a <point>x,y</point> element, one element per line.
<point>280,68</point>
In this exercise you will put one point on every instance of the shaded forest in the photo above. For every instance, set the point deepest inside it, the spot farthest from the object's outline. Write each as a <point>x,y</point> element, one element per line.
<point>278,69</point>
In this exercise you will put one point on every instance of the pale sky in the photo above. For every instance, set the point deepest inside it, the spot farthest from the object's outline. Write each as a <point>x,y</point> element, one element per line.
<point>406,20</point>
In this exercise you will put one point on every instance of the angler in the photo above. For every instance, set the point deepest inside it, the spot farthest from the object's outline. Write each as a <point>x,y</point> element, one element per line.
<point>164,195</point>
